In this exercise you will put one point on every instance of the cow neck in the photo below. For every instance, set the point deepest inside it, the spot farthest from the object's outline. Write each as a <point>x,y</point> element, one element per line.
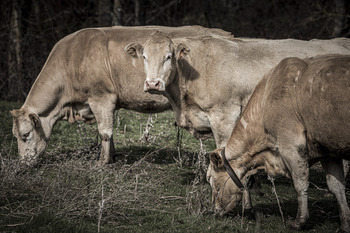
<point>45,100</point>
<point>175,93</point>
<point>248,136</point>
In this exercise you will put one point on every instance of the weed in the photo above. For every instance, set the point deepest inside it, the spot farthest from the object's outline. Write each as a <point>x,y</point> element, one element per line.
<point>157,184</point>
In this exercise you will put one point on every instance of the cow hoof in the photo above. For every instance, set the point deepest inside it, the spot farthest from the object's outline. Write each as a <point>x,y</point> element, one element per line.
<point>102,163</point>
<point>297,225</point>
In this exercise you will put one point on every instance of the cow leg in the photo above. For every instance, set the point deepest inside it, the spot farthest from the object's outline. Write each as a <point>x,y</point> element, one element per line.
<point>295,156</point>
<point>300,176</point>
<point>336,184</point>
<point>104,114</point>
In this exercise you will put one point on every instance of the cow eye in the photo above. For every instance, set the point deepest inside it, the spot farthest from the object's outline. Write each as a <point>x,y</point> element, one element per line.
<point>25,136</point>
<point>168,57</point>
<point>144,57</point>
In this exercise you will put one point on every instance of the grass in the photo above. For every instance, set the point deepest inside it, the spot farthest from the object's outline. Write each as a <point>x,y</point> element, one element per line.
<point>151,188</point>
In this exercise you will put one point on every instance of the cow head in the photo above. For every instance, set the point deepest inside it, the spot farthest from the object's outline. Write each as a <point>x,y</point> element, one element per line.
<point>225,193</point>
<point>160,56</point>
<point>30,136</point>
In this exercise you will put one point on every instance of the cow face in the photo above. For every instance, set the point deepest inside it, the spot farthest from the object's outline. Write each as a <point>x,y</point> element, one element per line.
<point>225,194</point>
<point>160,56</point>
<point>30,136</point>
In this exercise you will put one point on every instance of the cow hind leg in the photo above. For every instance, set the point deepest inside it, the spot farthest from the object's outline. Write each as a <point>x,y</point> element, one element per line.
<point>336,184</point>
<point>104,114</point>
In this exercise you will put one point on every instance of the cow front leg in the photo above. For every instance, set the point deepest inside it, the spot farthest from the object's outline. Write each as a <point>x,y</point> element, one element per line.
<point>301,185</point>
<point>296,161</point>
<point>336,184</point>
<point>104,114</point>
<point>291,145</point>
<point>107,149</point>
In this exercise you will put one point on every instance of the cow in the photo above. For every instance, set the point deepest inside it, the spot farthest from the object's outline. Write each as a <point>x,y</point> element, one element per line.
<point>208,80</point>
<point>297,115</point>
<point>88,76</point>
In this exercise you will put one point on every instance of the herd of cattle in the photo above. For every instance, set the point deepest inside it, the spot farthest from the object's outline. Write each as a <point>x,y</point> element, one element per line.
<point>276,105</point>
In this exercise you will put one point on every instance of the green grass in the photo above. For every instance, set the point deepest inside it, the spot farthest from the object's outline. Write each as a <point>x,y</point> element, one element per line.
<point>151,188</point>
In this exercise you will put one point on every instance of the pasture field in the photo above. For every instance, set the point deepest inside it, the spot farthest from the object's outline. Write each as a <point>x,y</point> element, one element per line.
<point>157,184</point>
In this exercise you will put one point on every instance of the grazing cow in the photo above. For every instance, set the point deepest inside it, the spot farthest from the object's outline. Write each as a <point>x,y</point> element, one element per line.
<point>208,80</point>
<point>297,115</point>
<point>87,76</point>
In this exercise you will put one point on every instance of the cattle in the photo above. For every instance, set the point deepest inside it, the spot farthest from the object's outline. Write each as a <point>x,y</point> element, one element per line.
<point>88,76</point>
<point>297,115</point>
<point>208,80</point>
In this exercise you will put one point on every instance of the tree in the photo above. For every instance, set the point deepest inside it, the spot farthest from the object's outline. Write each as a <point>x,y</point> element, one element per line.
<point>339,6</point>
<point>104,13</point>
<point>117,13</point>
<point>14,62</point>
<point>140,12</point>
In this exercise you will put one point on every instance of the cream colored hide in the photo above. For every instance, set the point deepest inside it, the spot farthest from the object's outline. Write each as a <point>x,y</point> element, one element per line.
<point>209,80</point>
<point>298,115</point>
<point>88,76</point>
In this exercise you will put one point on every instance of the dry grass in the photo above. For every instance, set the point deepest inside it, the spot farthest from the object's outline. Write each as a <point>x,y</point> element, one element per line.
<point>157,185</point>
<point>76,189</point>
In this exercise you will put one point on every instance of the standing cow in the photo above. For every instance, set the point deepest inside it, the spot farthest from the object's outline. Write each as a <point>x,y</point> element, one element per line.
<point>298,114</point>
<point>87,76</point>
<point>208,80</point>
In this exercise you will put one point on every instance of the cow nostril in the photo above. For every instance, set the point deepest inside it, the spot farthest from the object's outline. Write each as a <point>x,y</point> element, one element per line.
<point>153,85</point>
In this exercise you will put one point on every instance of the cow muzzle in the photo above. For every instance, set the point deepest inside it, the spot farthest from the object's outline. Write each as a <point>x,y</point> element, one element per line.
<point>154,86</point>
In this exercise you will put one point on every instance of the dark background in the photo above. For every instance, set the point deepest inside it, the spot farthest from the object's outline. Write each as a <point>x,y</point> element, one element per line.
<point>30,28</point>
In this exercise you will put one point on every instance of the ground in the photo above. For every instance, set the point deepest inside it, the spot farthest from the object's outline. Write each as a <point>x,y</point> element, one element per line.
<point>157,184</point>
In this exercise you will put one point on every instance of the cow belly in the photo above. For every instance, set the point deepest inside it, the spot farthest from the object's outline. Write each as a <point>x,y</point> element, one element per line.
<point>86,114</point>
<point>79,112</point>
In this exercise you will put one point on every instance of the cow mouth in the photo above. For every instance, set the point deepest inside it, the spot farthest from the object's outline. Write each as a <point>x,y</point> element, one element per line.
<point>201,134</point>
<point>228,208</point>
<point>154,91</point>
<point>30,159</point>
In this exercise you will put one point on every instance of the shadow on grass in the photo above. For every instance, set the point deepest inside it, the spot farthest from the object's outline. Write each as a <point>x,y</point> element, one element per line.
<point>151,154</point>
<point>48,222</point>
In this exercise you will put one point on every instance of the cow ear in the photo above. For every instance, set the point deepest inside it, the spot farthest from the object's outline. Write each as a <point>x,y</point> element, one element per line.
<point>15,113</point>
<point>216,159</point>
<point>182,50</point>
<point>35,120</point>
<point>134,50</point>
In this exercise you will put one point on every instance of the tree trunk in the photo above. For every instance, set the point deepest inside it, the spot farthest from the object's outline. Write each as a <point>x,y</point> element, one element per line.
<point>140,12</point>
<point>137,12</point>
<point>117,13</point>
<point>104,13</point>
<point>209,13</point>
<point>339,6</point>
<point>15,81</point>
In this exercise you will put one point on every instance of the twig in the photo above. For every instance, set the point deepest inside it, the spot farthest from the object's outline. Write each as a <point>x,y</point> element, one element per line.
<point>318,188</point>
<point>101,205</point>
<point>179,143</point>
<point>136,183</point>
<point>146,133</point>
<point>242,215</point>
<point>172,197</point>
<point>278,201</point>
